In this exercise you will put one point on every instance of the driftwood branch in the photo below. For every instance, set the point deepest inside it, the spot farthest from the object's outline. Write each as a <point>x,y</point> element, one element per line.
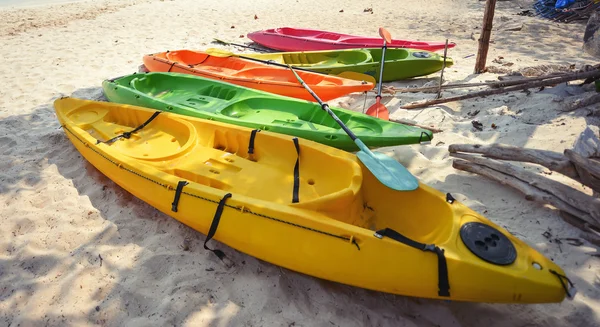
<point>569,195</point>
<point>580,103</point>
<point>588,169</point>
<point>590,233</point>
<point>549,159</point>
<point>523,86</point>
<point>531,192</point>
<point>410,123</point>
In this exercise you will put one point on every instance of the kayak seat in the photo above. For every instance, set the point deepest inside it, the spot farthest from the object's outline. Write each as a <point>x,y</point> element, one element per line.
<point>236,111</point>
<point>397,54</point>
<point>355,57</point>
<point>187,57</point>
<point>292,31</point>
<point>258,109</point>
<point>363,124</point>
<point>328,36</point>
<point>174,138</point>
<point>233,64</point>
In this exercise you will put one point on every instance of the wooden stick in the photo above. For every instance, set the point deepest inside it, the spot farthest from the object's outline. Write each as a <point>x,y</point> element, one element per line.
<point>494,84</point>
<point>546,82</point>
<point>552,160</point>
<point>484,38</point>
<point>408,122</point>
<point>531,192</point>
<point>580,103</point>
<point>571,196</point>
<point>439,94</point>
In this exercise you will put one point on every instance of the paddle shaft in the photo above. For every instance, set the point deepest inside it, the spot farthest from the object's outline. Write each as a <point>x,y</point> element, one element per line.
<point>386,169</point>
<point>381,69</point>
<point>271,62</point>
<point>325,107</point>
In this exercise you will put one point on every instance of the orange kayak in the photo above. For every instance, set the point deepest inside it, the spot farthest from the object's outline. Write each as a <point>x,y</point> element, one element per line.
<point>252,74</point>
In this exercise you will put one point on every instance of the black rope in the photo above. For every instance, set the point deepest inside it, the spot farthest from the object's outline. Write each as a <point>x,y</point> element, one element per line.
<point>214,225</point>
<point>426,134</point>
<point>251,144</point>
<point>173,64</point>
<point>562,279</point>
<point>443,283</point>
<point>180,186</point>
<point>128,134</point>
<point>295,198</point>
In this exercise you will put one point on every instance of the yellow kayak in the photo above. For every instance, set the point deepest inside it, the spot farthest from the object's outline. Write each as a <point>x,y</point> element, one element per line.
<point>307,207</point>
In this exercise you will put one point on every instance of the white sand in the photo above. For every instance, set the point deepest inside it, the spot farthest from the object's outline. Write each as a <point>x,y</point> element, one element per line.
<point>59,215</point>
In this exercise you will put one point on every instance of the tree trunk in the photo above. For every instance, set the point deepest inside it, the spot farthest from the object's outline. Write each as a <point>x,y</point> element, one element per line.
<point>484,38</point>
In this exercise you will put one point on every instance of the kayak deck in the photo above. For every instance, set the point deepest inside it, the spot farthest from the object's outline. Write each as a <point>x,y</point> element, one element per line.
<point>399,63</point>
<point>327,232</point>
<point>251,74</point>
<point>209,99</point>
<point>304,39</point>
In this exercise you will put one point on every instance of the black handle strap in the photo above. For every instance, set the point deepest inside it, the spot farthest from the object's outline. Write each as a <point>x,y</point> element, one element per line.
<point>180,186</point>
<point>443,283</point>
<point>426,135</point>
<point>295,198</point>
<point>569,288</point>
<point>173,64</point>
<point>128,134</point>
<point>213,227</point>
<point>251,143</point>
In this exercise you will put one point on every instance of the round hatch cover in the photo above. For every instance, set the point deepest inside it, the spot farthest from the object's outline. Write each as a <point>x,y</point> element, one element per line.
<point>488,243</point>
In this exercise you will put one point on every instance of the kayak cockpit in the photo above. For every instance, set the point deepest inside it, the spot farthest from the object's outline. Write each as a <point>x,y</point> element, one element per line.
<point>327,59</point>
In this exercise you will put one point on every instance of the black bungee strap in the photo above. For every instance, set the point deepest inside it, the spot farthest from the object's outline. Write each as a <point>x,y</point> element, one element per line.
<point>569,288</point>
<point>180,186</point>
<point>251,143</point>
<point>427,136</point>
<point>295,198</point>
<point>128,134</point>
<point>213,227</point>
<point>173,64</point>
<point>443,283</point>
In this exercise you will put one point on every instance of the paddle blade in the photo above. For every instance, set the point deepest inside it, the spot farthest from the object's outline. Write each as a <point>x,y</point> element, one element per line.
<point>357,77</point>
<point>378,110</point>
<point>387,170</point>
<point>385,35</point>
<point>219,53</point>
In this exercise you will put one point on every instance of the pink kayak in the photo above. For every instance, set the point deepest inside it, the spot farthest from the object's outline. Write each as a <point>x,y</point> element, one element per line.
<point>304,39</point>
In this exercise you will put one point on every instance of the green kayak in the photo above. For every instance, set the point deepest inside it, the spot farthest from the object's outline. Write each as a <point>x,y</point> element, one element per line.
<point>210,99</point>
<point>399,63</point>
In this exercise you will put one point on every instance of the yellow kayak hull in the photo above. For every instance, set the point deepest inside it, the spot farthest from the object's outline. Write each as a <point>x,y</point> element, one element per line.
<point>328,233</point>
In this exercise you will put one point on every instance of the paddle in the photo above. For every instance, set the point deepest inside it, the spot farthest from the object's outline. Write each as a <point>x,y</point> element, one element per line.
<point>386,169</point>
<point>349,75</point>
<point>240,45</point>
<point>378,109</point>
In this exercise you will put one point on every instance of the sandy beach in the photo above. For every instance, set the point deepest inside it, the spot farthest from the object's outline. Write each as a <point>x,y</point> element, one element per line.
<point>78,250</point>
